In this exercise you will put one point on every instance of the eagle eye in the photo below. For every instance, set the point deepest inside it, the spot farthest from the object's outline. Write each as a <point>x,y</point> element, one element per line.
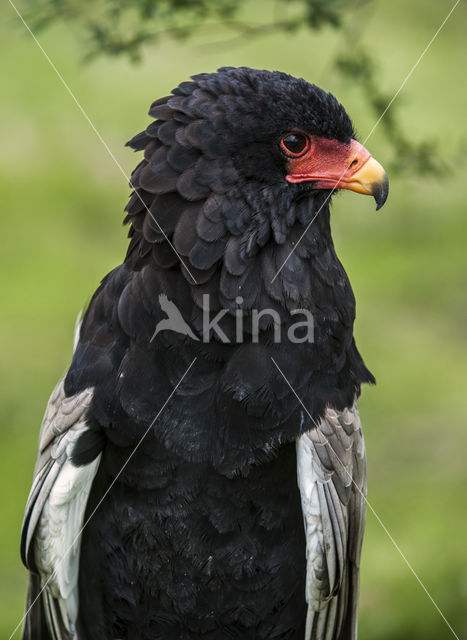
<point>295,144</point>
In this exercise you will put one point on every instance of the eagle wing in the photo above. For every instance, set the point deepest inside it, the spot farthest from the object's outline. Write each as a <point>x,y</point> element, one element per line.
<point>51,531</point>
<point>331,475</point>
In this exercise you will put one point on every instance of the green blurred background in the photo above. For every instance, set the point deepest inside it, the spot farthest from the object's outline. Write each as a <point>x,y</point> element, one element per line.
<point>62,198</point>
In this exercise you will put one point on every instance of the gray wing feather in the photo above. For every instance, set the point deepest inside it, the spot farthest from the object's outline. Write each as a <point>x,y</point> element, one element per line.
<point>50,537</point>
<point>61,415</point>
<point>332,482</point>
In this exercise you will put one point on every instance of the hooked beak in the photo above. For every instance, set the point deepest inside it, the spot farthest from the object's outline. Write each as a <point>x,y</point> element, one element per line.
<point>330,164</point>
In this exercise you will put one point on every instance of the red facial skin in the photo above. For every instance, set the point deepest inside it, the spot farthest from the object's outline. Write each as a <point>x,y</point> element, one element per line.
<point>328,163</point>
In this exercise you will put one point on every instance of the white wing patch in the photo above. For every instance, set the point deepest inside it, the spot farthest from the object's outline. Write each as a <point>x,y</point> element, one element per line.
<point>54,517</point>
<point>332,483</point>
<point>57,537</point>
<point>315,556</point>
<point>51,535</point>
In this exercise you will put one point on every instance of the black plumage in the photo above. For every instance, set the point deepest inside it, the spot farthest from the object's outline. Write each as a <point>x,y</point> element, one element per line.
<point>199,532</point>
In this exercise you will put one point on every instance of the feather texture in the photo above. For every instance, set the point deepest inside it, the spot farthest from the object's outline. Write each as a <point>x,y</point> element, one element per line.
<point>332,482</point>
<point>201,534</point>
<point>51,532</point>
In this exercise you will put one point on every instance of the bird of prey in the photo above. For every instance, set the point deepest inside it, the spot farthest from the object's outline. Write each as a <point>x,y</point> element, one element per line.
<point>213,488</point>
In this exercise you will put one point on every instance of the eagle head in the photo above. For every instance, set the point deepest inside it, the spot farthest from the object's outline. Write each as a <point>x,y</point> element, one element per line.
<point>237,164</point>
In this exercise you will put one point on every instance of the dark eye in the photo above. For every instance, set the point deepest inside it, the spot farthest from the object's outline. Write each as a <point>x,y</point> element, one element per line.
<point>295,144</point>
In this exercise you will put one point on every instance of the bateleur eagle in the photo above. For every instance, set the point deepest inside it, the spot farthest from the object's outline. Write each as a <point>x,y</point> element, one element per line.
<point>193,486</point>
